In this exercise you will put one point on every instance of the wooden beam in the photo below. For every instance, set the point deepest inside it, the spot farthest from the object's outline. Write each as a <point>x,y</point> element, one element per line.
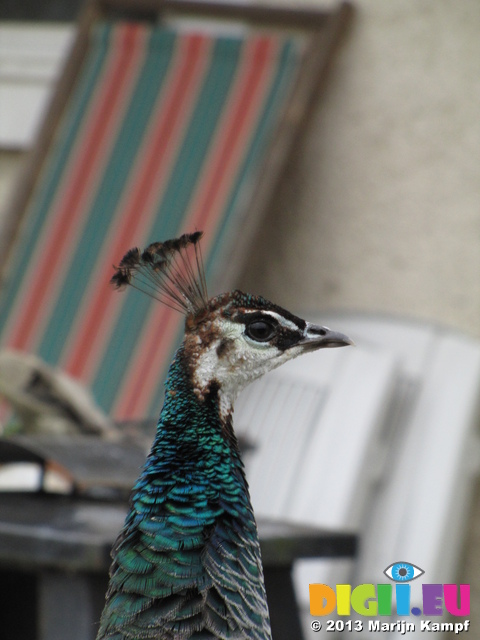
<point>273,15</point>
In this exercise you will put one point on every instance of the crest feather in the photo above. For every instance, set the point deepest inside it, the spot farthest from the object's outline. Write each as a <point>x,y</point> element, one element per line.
<point>171,272</point>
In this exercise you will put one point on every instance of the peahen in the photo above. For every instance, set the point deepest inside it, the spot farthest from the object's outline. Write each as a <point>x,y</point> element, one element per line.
<point>187,562</point>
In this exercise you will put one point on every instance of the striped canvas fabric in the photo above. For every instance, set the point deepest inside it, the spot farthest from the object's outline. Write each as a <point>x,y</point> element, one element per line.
<point>164,133</point>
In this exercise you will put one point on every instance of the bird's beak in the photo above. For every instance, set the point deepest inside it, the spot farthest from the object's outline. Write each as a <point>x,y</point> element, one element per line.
<point>317,337</point>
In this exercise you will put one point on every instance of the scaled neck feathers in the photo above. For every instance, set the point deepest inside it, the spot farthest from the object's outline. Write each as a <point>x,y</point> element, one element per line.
<point>187,562</point>
<point>188,558</point>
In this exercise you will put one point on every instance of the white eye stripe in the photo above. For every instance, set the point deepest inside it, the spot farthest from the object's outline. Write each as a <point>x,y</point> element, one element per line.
<point>288,324</point>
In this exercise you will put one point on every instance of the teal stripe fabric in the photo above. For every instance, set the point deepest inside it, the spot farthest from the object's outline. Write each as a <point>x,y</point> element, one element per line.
<point>103,209</point>
<point>51,177</point>
<point>108,191</point>
<point>170,212</point>
<point>261,138</point>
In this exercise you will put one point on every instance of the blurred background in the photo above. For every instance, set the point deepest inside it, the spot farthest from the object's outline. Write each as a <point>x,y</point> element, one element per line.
<point>382,209</point>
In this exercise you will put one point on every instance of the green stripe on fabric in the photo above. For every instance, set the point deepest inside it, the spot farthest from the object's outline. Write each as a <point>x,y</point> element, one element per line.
<point>288,61</point>
<point>171,210</point>
<point>56,164</point>
<point>287,66</point>
<point>155,405</point>
<point>281,85</point>
<point>104,208</point>
<point>194,147</point>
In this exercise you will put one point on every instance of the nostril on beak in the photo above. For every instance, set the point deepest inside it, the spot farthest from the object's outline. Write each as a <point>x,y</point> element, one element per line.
<point>317,331</point>
<point>317,337</point>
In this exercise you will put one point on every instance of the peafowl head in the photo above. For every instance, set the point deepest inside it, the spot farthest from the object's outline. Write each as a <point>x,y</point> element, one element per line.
<point>231,339</point>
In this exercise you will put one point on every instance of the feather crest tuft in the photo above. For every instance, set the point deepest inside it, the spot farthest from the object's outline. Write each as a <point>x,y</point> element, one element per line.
<point>171,272</point>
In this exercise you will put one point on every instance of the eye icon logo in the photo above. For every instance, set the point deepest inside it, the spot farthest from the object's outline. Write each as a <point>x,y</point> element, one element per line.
<point>403,572</point>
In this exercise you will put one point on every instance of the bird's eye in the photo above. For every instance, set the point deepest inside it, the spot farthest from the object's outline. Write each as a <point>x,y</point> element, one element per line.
<point>403,571</point>
<point>260,330</point>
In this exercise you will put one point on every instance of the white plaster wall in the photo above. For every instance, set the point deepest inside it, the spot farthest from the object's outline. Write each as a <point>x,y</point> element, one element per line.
<point>384,209</point>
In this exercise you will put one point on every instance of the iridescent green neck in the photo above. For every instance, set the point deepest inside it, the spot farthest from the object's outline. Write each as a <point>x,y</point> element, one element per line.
<point>190,540</point>
<point>193,443</point>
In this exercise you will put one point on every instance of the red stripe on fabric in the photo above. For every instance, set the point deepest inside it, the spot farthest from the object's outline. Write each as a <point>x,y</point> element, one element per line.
<point>49,263</point>
<point>101,305</point>
<point>234,136</point>
<point>132,401</point>
<point>5,411</point>
<point>221,168</point>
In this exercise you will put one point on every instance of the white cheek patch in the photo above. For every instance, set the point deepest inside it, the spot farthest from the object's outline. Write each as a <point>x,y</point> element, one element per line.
<point>242,363</point>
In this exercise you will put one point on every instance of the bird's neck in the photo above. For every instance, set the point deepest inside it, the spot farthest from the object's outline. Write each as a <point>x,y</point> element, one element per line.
<point>194,441</point>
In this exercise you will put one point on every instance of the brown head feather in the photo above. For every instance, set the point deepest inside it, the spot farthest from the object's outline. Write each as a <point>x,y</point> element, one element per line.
<point>171,272</point>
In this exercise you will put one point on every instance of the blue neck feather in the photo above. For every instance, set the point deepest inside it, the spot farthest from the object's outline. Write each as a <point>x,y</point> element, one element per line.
<point>188,557</point>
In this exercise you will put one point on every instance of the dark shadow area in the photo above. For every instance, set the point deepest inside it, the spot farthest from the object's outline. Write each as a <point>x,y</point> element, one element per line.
<point>18,610</point>
<point>40,10</point>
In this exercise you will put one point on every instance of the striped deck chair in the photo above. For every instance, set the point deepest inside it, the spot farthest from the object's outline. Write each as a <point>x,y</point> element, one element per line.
<point>158,126</point>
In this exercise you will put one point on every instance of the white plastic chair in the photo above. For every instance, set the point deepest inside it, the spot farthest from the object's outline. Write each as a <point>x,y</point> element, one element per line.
<point>381,440</point>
